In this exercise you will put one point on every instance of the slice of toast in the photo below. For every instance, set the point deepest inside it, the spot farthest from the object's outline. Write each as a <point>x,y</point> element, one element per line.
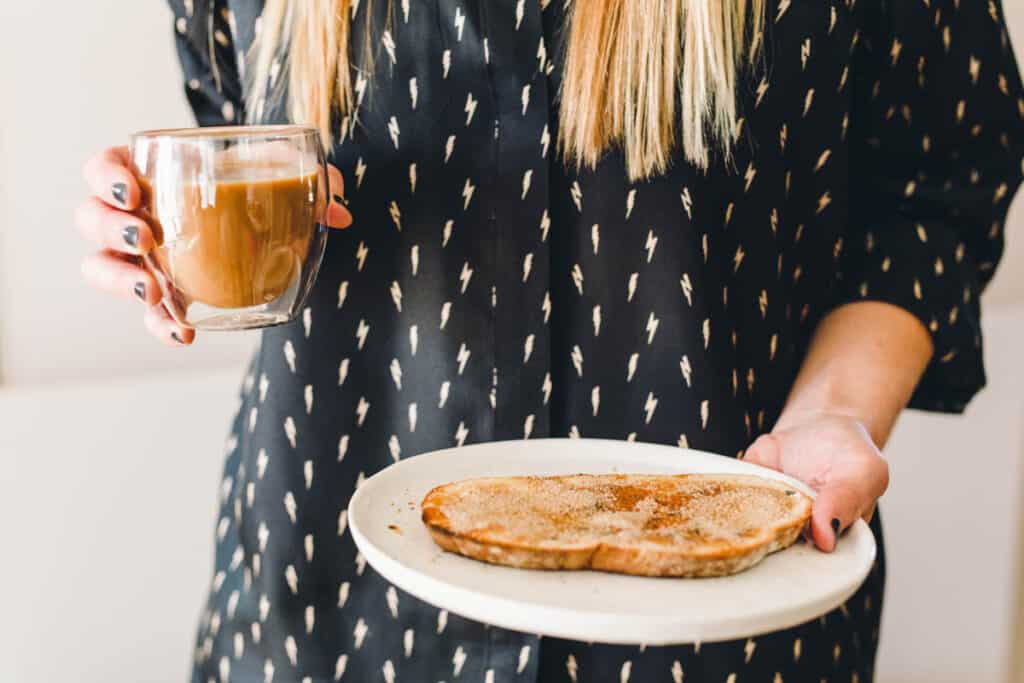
<point>651,525</point>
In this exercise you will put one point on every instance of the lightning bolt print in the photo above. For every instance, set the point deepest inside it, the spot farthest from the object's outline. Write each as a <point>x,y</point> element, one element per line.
<point>545,142</point>
<point>577,359</point>
<point>467,194</point>
<point>362,408</point>
<point>463,357</point>
<point>460,22</point>
<point>652,328</point>
<point>470,108</point>
<point>465,276</point>
<point>362,330</point>
<point>362,251</point>
<point>650,244</point>
<point>630,201</point>
<point>577,278</point>
<point>577,195</point>
<point>684,196</point>
<point>684,367</point>
<point>650,405</point>
<point>360,172</point>
<point>687,287</point>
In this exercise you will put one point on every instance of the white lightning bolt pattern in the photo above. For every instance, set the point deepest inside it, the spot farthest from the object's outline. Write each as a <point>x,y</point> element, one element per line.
<point>704,414</point>
<point>391,596</point>
<point>292,578</point>
<point>307,394</point>
<point>650,405</point>
<point>684,367</point>
<point>252,418</point>
<point>805,52</point>
<point>684,282</point>
<point>446,234</point>
<point>677,672</point>
<point>461,433</point>
<point>268,671</point>
<point>527,179</point>
<point>458,659</point>
<point>361,409</point>
<point>650,245</point>
<point>808,101</point>
<point>342,526</point>
<point>545,388</point>
<point>545,142</point>
<point>467,193</point>
<point>388,41</point>
<point>687,202</point>
<point>307,320</point>
<point>652,327</point>
<point>524,658</point>
<point>519,12</point>
<point>264,385</point>
<point>362,251</point>
<point>528,348</point>
<point>524,98</point>
<point>577,195</point>
<point>412,417</point>
<point>783,6</point>
<point>307,474</point>
<point>470,108</point>
<point>414,338</point>
<point>289,355</point>
<point>255,628</point>
<point>748,176</point>
<point>631,366</point>
<point>289,505</point>
<point>631,286</point>
<point>737,258</point>
<point>342,371</point>
<point>465,276</point>
<point>595,400</point>
<point>449,147</point>
<point>542,56</point>
<point>224,669</point>
<point>360,632</point>
<point>762,303</point>
<point>630,201</point>
<point>442,621</point>
<point>396,295</point>
<point>773,346</point>
<point>624,672</point>
<point>261,463</point>
<point>361,331</point>
<point>340,666</point>
<point>446,309</point>
<point>360,88</point>
<point>704,246</point>
<point>748,650</point>
<point>414,259</point>
<point>706,332</point>
<point>527,266</point>
<point>545,224</point>
<point>577,278</point>
<point>405,10</point>
<point>233,603</point>
<point>239,648</point>
<point>310,619</point>
<point>264,607</point>
<point>528,425</point>
<point>412,178</point>
<point>596,317</point>
<point>407,642</point>
<point>546,306</point>
<point>489,676</point>
<point>393,131</point>
<point>463,357</point>
<point>577,359</point>
<point>396,373</point>
<point>570,667</point>
<point>360,172</point>
<point>446,63</point>
<point>762,88</point>
<point>445,387</point>
<point>289,430</point>
<point>354,9</point>
<point>797,649</point>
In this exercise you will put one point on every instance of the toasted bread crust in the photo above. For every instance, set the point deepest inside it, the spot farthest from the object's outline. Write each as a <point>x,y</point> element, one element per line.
<point>670,549</point>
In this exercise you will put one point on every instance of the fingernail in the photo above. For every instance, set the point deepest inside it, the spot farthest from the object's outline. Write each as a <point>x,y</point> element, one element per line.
<point>131,236</point>
<point>140,291</point>
<point>120,193</point>
<point>835,526</point>
<point>175,337</point>
<point>338,199</point>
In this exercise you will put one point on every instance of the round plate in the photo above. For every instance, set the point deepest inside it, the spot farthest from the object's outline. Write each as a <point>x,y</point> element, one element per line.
<point>787,588</point>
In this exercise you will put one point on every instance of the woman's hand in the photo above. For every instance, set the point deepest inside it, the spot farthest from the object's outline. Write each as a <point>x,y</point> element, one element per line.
<point>834,455</point>
<point>111,219</point>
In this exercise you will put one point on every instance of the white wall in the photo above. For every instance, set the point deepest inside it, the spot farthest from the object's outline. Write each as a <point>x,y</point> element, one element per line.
<point>77,76</point>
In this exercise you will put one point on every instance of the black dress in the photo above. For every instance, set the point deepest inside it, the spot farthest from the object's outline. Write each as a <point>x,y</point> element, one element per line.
<point>487,292</point>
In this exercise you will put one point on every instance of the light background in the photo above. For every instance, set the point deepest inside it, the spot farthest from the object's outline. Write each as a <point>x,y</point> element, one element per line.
<point>107,512</point>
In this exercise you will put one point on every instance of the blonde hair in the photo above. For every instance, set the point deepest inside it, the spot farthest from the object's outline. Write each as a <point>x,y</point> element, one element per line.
<point>641,75</point>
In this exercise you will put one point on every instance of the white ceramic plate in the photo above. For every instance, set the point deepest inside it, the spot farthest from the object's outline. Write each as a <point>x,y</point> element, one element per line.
<point>787,588</point>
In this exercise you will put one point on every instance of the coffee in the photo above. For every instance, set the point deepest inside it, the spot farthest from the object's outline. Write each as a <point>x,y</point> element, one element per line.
<point>239,241</point>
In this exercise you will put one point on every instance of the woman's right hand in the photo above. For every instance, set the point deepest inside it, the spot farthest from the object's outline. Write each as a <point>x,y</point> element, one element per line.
<point>110,219</point>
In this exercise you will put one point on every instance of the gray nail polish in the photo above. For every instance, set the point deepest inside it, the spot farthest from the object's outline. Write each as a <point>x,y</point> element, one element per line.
<point>835,526</point>
<point>140,291</point>
<point>120,193</point>
<point>131,236</point>
<point>175,337</point>
<point>338,199</point>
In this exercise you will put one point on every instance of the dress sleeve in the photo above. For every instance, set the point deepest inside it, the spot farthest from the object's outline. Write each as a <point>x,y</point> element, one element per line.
<point>204,41</point>
<point>937,138</point>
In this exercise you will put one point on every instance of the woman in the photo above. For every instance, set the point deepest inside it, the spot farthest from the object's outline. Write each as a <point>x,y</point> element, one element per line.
<point>750,229</point>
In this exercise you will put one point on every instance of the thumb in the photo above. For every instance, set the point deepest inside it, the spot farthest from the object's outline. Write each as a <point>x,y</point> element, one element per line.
<point>766,451</point>
<point>836,507</point>
<point>337,215</point>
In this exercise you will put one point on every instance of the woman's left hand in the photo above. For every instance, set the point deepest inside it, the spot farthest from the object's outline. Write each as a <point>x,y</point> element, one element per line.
<point>834,455</point>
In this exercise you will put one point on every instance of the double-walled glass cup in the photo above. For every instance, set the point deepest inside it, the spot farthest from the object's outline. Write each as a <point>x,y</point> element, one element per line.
<point>239,217</point>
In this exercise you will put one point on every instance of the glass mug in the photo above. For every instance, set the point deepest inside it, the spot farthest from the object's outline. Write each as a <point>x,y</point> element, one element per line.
<point>239,220</point>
